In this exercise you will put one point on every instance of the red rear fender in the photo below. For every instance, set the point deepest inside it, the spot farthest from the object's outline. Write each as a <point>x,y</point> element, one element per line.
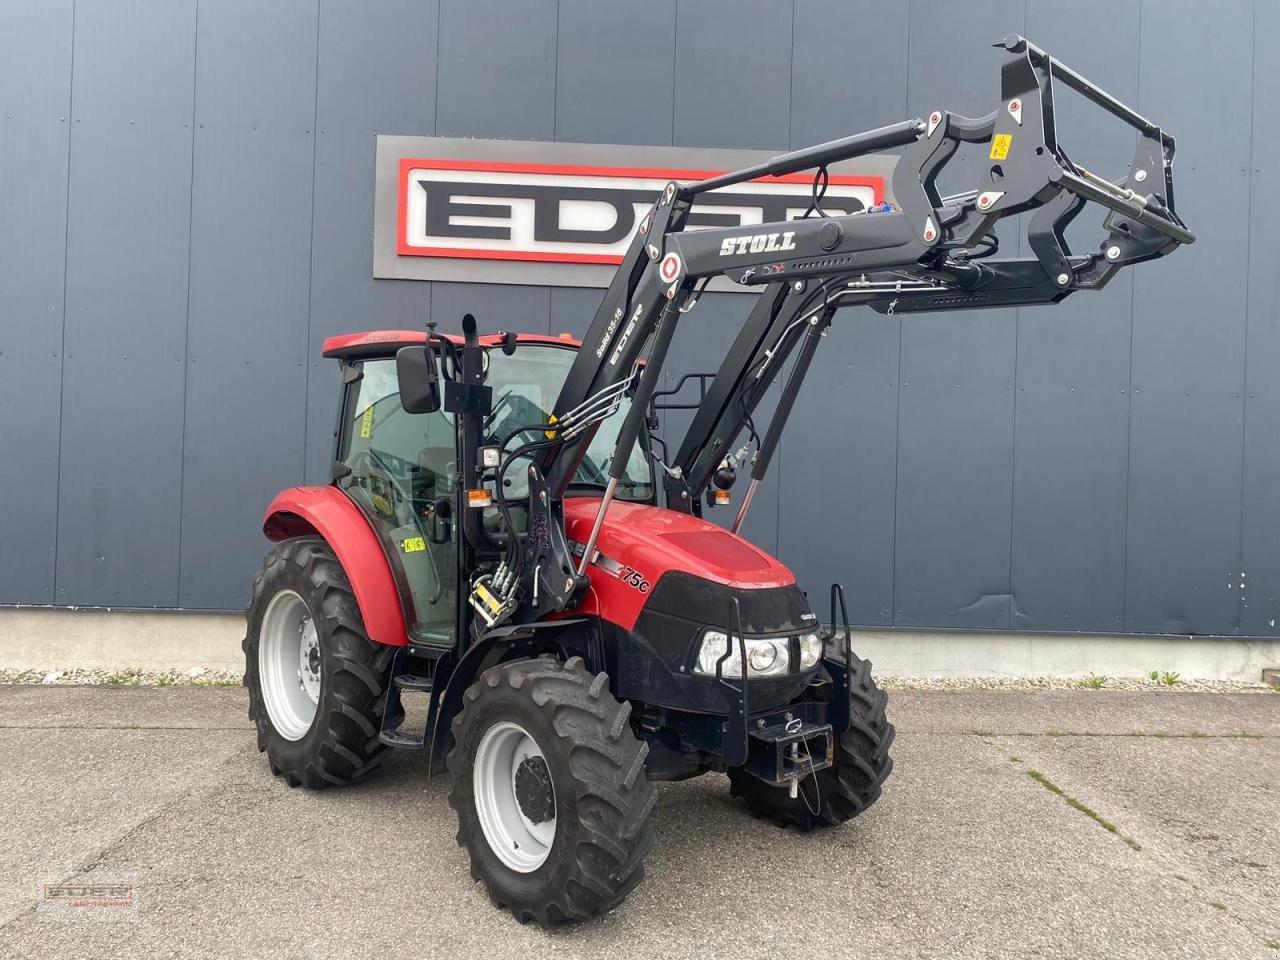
<point>329,513</point>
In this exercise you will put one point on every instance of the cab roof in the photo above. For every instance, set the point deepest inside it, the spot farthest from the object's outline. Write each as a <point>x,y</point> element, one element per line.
<point>373,343</point>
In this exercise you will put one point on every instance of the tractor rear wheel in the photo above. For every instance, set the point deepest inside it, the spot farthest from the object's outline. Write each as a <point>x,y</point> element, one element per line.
<point>550,790</point>
<point>317,684</point>
<point>846,788</point>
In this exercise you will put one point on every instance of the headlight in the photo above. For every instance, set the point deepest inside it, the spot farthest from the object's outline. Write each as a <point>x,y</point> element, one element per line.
<point>765,658</point>
<point>810,650</point>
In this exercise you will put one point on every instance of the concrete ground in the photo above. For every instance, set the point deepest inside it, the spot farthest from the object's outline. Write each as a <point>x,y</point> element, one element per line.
<point>1016,824</point>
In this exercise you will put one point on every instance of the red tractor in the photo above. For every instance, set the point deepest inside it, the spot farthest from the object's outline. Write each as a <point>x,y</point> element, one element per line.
<point>492,537</point>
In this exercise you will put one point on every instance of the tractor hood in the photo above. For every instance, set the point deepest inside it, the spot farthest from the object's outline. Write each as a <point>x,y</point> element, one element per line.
<point>638,544</point>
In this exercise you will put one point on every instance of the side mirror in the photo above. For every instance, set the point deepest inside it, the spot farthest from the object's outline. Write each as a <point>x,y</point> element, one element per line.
<point>416,374</point>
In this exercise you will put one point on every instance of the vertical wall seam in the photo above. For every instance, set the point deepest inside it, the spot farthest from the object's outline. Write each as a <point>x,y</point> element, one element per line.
<point>1128,467</point>
<point>1013,444</point>
<point>791,84</point>
<point>435,113</point>
<point>1241,595</point>
<point>897,413</point>
<point>675,67</point>
<point>186,329</point>
<point>62,350</point>
<point>311,260</point>
<point>555,104</point>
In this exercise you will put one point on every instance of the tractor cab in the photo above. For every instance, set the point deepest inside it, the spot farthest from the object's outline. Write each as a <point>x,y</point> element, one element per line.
<point>402,469</point>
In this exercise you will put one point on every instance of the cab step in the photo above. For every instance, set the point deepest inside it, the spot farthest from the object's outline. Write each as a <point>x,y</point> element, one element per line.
<point>400,740</point>
<point>409,681</point>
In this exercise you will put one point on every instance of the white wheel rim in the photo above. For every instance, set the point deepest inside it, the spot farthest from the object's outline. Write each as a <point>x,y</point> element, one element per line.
<point>513,794</point>
<point>289,665</point>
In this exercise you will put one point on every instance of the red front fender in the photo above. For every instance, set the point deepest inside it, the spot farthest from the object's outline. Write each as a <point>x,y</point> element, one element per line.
<point>329,513</point>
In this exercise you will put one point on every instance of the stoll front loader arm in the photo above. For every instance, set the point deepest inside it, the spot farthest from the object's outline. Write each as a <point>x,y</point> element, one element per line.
<point>925,252</point>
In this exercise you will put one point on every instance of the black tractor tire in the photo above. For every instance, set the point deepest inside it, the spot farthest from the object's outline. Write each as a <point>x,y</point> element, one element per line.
<point>850,785</point>
<point>341,745</point>
<point>602,799</point>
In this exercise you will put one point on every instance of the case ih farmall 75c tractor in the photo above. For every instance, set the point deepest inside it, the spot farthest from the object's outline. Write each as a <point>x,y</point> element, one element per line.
<point>492,536</point>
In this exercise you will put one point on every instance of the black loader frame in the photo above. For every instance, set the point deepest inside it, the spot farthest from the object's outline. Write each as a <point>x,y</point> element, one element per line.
<point>926,252</point>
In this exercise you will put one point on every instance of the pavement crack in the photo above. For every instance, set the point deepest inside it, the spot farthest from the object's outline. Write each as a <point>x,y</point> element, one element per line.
<point>100,856</point>
<point>1079,805</point>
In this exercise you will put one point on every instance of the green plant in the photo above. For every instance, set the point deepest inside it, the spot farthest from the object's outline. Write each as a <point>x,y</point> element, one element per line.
<point>130,676</point>
<point>1169,678</point>
<point>1094,682</point>
<point>1155,676</point>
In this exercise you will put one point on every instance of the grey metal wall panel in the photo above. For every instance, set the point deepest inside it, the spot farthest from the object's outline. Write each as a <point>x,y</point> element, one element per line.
<point>1103,488</point>
<point>838,478</point>
<point>1260,599</point>
<point>1188,337</point>
<point>376,73</point>
<point>849,67</point>
<point>1070,469</point>
<point>35,90</point>
<point>572,309</point>
<point>247,325</point>
<point>733,74</point>
<point>126,303</point>
<point>955,443</point>
<point>1071,455</point>
<point>955,459</point>
<point>497,69</point>
<point>615,71</point>
<point>495,307</point>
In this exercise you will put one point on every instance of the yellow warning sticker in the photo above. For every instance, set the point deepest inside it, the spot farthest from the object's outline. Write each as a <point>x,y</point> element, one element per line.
<point>413,544</point>
<point>489,599</point>
<point>551,434</point>
<point>366,423</point>
<point>1000,146</point>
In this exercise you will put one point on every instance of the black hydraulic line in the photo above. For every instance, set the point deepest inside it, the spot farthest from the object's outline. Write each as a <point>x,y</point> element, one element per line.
<point>816,327</point>
<point>1114,201</point>
<point>846,148</point>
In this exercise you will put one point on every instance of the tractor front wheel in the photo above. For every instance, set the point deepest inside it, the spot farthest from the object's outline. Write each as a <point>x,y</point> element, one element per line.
<point>550,790</point>
<point>850,785</point>
<point>316,682</point>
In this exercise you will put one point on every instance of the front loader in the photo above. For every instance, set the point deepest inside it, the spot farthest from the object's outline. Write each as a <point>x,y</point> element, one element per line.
<point>492,540</point>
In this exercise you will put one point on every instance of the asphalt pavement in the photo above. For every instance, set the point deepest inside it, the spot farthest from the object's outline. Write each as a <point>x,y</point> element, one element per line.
<point>1015,824</point>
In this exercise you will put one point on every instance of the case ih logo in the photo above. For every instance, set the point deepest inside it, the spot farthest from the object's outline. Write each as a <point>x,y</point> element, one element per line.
<point>567,213</point>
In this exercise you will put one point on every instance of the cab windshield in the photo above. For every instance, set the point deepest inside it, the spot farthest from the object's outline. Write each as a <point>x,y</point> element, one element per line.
<point>525,387</point>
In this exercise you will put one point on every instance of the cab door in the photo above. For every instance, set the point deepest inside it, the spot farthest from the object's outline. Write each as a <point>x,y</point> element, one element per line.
<point>403,473</point>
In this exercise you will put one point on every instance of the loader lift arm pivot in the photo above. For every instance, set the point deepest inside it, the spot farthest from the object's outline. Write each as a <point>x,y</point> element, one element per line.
<point>928,252</point>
